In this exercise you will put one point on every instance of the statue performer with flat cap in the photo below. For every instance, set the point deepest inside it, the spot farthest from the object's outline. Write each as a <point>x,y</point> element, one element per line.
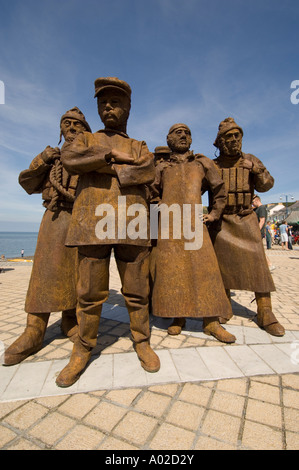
<point>187,282</point>
<point>111,166</point>
<point>52,286</point>
<point>237,237</point>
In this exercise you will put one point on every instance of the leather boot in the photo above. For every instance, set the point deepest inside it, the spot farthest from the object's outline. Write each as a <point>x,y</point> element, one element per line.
<point>30,342</point>
<point>69,324</point>
<point>147,357</point>
<point>225,320</point>
<point>79,359</point>
<point>176,327</point>
<point>212,327</point>
<point>265,317</point>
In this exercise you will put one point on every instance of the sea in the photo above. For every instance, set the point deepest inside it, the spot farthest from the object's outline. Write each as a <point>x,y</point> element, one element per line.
<point>12,243</point>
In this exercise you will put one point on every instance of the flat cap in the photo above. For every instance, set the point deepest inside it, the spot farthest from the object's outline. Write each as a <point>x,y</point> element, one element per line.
<point>162,150</point>
<point>111,82</point>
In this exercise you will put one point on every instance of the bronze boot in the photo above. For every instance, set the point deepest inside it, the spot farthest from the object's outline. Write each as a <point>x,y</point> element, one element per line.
<point>135,289</point>
<point>69,324</point>
<point>147,357</point>
<point>92,292</point>
<point>30,342</point>
<point>265,317</point>
<point>212,327</point>
<point>176,327</point>
<point>79,359</point>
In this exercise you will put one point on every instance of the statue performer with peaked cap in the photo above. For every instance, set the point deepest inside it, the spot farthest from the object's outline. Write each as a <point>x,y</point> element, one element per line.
<point>111,165</point>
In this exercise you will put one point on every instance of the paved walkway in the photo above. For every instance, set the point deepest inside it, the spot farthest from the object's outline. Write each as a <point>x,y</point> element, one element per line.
<point>207,395</point>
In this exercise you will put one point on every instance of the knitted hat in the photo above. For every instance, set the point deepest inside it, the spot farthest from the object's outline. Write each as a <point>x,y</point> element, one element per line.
<point>225,126</point>
<point>112,83</point>
<point>75,113</point>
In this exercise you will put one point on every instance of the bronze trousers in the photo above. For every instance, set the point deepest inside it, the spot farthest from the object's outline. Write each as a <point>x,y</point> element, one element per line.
<point>93,288</point>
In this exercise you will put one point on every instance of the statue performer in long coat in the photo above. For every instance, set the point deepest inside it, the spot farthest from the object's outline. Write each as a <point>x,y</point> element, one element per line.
<point>52,286</point>
<point>237,238</point>
<point>187,279</point>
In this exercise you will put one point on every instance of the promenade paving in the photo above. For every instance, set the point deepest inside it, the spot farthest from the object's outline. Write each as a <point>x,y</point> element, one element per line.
<point>207,395</point>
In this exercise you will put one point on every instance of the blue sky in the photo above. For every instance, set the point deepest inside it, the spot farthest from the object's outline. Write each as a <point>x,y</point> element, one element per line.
<point>197,62</point>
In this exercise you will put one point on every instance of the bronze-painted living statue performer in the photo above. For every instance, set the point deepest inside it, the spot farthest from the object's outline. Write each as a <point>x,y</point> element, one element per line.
<point>237,238</point>
<point>52,286</point>
<point>161,153</point>
<point>187,282</point>
<point>111,166</point>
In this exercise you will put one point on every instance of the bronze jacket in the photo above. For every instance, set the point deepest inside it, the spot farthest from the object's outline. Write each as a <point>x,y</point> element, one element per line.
<point>101,183</point>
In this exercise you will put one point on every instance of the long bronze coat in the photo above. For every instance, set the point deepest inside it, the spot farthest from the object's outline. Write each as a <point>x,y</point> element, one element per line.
<point>52,286</point>
<point>188,283</point>
<point>237,239</point>
<point>102,183</point>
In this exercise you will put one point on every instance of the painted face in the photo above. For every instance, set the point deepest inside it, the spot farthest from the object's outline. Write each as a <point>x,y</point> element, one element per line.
<point>180,140</point>
<point>113,108</point>
<point>232,142</point>
<point>70,128</point>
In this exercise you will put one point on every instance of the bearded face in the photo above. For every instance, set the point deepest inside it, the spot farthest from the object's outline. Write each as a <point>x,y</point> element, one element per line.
<point>179,140</point>
<point>231,143</point>
<point>70,128</point>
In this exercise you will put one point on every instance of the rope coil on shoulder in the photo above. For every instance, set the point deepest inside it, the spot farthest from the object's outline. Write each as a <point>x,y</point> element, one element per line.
<point>56,181</point>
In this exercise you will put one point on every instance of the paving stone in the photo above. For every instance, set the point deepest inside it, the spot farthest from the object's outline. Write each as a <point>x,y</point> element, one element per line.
<point>153,404</point>
<point>263,412</point>
<point>185,415</point>
<point>189,365</point>
<point>105,416</point>
<point>26,415</point>
<point>81,438</point>
<point>170,437</point>
<point>249,362</point>
<point>221,426</point>
<point>257,436</point>
<point>135,427</point>
<point>276,358</point>
<point>219,363</point>
<point>52,428</point>
<point>27,381</point>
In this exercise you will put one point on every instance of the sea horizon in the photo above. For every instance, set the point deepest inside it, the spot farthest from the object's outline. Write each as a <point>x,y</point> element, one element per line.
<point>12,243</point>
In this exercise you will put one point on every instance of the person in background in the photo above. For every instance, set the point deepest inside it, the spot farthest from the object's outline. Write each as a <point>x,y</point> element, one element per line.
<point>268,235</point>
<point>290,237</point>
<point>273,228</point>
<point>283,229</point>
<point>261,213</point>
<point>22,253</point>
